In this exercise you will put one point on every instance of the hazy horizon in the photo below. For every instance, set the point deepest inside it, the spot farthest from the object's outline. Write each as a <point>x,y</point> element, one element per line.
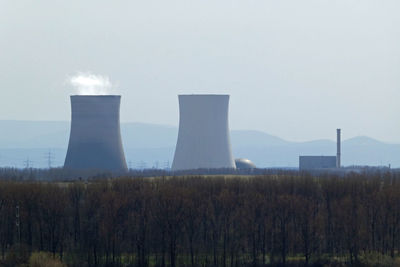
<point>296,70</point>
<point>151,143</point>
<point>332,139</point>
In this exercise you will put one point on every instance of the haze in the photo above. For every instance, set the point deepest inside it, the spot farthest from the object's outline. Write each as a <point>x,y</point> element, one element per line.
<point>294,69</point>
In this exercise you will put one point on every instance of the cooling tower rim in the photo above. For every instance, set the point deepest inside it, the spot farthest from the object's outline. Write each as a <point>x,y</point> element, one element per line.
<point>92,96</point>
<point>200,95</point>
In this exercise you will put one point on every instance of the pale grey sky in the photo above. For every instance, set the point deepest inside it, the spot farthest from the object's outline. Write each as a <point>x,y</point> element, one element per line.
<point>296,69</point>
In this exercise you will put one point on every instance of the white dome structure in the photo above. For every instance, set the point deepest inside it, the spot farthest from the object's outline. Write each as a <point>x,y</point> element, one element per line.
<point>244,164</point>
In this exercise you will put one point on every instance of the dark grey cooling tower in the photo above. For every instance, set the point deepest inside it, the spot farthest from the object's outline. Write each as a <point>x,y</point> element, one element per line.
<point>95,138</point>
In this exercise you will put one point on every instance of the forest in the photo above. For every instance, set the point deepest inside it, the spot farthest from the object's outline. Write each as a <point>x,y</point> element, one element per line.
<point>293,219</point>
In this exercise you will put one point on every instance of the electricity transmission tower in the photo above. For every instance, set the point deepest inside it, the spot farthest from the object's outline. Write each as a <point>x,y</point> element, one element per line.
<point>28,163</point>
<point>166,165</point>
<point>50,158</point>
<point>142,165</point>
<point>130,165</point>
<point>156,164</point>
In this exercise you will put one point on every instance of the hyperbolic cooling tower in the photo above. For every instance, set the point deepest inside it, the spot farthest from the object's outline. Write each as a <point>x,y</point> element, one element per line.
<point>203,139</point>
<point>95,138</point>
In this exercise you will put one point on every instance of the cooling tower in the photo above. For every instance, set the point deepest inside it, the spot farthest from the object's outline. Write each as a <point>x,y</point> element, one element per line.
<point>203,138</point>
<point>95,138</point>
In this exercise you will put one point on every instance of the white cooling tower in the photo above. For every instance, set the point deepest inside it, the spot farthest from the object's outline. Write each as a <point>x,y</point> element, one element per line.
<point>95,137</point>
<point>203,139</point>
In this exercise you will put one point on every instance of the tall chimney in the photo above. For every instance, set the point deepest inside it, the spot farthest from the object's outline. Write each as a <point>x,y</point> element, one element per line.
<point>338,148</point>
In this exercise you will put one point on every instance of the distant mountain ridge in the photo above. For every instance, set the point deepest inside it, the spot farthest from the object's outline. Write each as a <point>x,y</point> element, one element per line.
<point>153,145</point>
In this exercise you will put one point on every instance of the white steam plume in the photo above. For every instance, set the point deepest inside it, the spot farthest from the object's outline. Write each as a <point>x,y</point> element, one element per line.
<point>91,84</point>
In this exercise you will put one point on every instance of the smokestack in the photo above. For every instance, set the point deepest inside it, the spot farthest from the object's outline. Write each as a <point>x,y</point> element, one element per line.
<point>338,143</point>
<point>95,137</point>
<point>203,139</point>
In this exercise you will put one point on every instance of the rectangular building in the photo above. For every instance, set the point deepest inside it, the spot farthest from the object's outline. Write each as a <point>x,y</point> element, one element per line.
<point>317,162</point>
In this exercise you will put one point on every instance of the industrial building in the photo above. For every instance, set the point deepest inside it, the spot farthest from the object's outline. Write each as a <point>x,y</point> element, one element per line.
<point>322,162</point>
<point>317,162</point>
<point>203,138</point>
<point>95,137</point>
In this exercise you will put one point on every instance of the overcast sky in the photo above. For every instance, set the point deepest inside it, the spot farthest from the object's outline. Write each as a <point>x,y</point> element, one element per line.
<point>296,69</point>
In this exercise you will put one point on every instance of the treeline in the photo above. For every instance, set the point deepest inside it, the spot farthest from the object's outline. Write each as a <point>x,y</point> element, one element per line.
<point>61,174</point>
<point>205,221</point>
